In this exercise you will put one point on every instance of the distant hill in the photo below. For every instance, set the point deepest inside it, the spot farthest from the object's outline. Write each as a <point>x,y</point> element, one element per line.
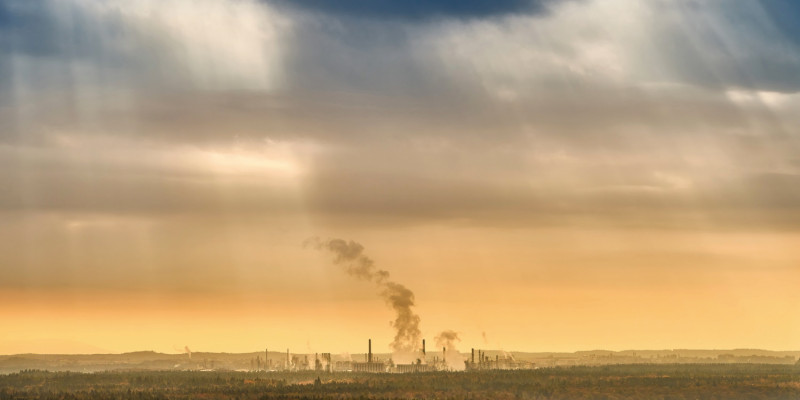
<point>150,360</point>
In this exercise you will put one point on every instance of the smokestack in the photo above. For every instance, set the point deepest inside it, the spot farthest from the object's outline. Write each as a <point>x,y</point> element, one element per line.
<point>369,358</point>
<point>423,347</point>
<point>444,355</point>
<point>473,356</point>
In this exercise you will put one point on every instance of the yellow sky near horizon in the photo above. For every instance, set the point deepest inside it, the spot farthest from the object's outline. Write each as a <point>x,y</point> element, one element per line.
<point>548,290</point>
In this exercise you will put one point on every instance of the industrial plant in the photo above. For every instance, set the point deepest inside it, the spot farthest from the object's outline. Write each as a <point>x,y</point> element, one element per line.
<point>423,362</point>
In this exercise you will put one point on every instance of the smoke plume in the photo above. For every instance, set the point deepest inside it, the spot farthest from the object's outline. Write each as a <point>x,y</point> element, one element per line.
<point>448,340</point>
<point>350,256</point>
<point>189,352</point>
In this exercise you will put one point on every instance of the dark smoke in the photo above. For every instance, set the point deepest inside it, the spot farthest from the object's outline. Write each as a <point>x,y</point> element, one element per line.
<point>350,255</point>
<point>406,324</point>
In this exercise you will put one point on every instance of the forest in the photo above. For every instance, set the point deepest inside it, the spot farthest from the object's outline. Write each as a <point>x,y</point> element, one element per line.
<point>673,382</point>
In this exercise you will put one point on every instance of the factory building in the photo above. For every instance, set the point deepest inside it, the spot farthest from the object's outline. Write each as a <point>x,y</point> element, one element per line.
<point>485,362</point>
<point>343,366</point>
<point>324,362</point>
<point>370,365</point>
<point>420,366</point>
<point>408,368</point>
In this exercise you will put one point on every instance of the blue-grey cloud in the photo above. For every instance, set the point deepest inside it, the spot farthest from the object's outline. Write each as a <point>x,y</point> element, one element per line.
<point>751,45</point>
<point>61,45</point>
<point>44,42</point>
<point>50,28</point>
<point>26,26</point>
<point>419,10</point>
<point>785,15</point>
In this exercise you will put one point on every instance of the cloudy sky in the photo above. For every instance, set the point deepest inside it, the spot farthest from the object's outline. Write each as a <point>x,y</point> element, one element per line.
<point>556,174</point>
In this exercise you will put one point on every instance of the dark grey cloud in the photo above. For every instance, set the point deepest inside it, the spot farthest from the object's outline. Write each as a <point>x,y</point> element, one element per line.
<point>714,45</point>
<point>619,199</point>
<point>383,46</point>
<point>117,192</point>
<point>414,131</point>
<point>419,10</point>
<point>565,155</point>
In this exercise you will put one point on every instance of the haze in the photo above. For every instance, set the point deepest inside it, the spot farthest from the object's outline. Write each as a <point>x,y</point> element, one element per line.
<point>544,175</point>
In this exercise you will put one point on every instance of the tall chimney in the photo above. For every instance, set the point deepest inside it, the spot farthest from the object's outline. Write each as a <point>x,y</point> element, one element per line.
<point>423,347</point>
<point>473,356</point>
<point>369,358</point>
<point>444,355</point>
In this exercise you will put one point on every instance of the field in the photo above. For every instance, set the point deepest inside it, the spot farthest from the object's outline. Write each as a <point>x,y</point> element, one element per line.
<point>729,381</point>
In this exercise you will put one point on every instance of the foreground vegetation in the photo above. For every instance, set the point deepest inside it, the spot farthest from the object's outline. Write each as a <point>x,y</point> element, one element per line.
<point>740,381</point>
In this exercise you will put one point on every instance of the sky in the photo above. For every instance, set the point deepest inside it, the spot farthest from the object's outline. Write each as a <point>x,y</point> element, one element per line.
<point>543,175</point>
